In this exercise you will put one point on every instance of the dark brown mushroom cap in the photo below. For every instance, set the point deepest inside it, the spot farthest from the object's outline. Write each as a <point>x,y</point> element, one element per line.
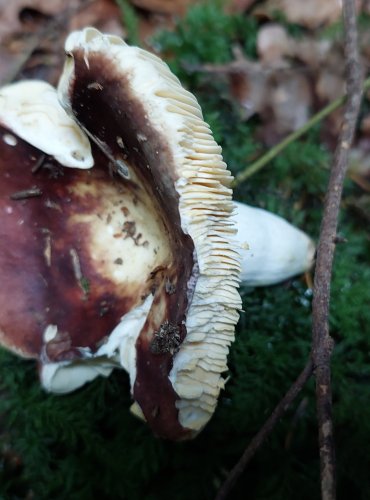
<point>80,250</point>
<point>131,105</point>
<point>54,271</point>
<point>68,267</point>
<point>152,174</point>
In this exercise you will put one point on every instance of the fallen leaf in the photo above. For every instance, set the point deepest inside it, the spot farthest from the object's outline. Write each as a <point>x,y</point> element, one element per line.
<point>104,15</point>
<point>273,43</point>
<point>308,13</point>
<point>12,20</point>
<point>280,95</point>
<point>290,100</point>
<point>32,38</point>
<point>173,7</point>
<point>359,164</point>
<point>150,24</point>
<point>329,86</point>
<point>238,6</point>
<point>311,52</point>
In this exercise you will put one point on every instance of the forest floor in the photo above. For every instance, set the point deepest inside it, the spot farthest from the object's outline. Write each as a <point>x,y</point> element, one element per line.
<point>260,70</point>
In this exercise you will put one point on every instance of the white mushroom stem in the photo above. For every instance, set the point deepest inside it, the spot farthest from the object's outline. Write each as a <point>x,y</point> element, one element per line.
<point>272,250</point>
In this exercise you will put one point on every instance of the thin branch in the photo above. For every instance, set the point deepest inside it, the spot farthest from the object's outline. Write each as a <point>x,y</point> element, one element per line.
<point>322,342</point>
<point>273,152</point>
<point>265,431</point>
<point>54,25</point>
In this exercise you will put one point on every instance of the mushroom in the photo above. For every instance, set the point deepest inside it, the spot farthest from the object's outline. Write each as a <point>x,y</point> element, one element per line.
<point>133,263</point>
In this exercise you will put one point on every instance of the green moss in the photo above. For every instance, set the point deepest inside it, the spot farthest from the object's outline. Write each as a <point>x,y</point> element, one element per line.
<point>205,35</point>
<point>130,21</point>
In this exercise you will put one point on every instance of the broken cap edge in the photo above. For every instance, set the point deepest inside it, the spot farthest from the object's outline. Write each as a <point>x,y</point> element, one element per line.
<point>205,207</point>
<point>30,109</point>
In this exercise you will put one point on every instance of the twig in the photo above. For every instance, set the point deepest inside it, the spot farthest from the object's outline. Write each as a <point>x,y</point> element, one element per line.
<point>273,152</point>
<point>27,193</point>
<point>265,430</point>
<point>322,342</point>
<point>35,40</point>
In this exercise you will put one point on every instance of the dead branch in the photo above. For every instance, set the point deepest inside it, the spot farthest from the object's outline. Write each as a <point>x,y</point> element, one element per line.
<point>265,430</point>
<point>322,343</point>
<point>56,24</point>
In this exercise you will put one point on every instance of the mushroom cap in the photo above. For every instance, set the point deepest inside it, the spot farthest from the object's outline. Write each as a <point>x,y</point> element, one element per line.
<point>160,178</point>
<point>133,264</point>
<point>129,103</point>
<point>30,109</point>
<point>66,277</point>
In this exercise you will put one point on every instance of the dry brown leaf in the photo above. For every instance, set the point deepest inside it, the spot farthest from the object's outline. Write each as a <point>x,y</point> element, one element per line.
<point>329,85</point>
<point>308,13</point>
<point>364,6</point>
<point>290,100</point>
<point>249,88</point>
<point>287,105</point>
<point>359,164</point>
<point>104,15</point>
<point>23,29</point>
<point>238,6</point>
<point>313,53</point>
<point>11,14</point>
<point>281,96</point>
<point>247,80</point>
<point>151,24</point>
<point>32,33</point>
<point>273,43</point>
<point>323,66</point>
<point>174,7</point>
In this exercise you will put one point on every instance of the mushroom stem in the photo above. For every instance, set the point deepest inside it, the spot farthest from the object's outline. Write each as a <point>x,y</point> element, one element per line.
<point>272,249</point>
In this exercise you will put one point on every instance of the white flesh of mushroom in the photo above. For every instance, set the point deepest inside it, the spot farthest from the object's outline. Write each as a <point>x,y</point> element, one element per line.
<point>118,351</point>
<point>31,110</point>
<point>272,250</point>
